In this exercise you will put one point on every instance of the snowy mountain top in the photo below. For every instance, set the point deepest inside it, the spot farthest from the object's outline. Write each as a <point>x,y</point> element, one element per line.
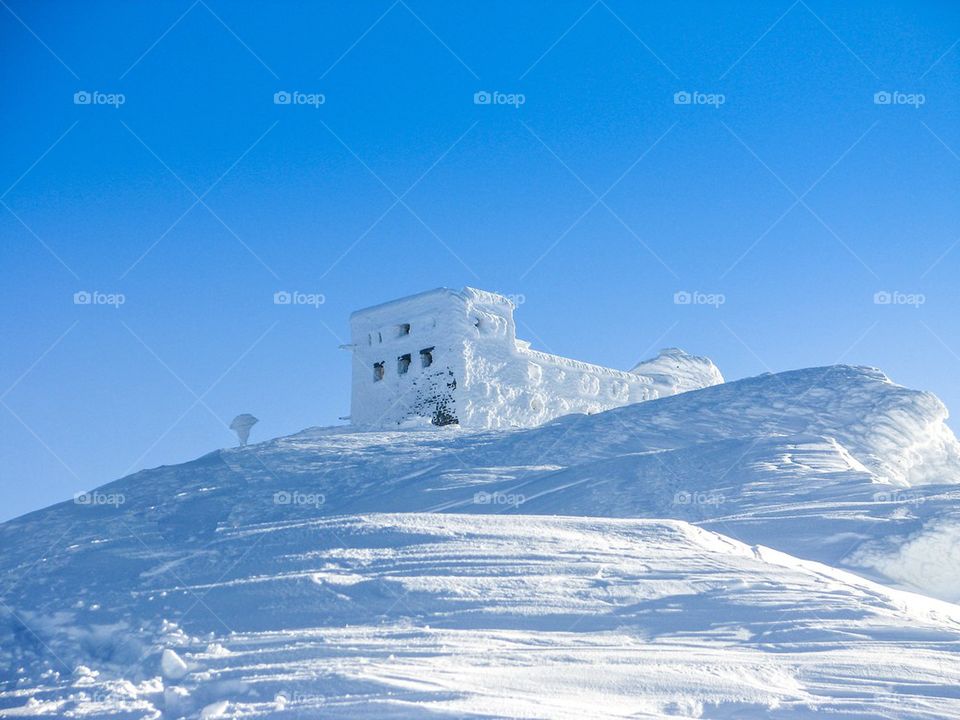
<point>897,433</point>
<point>747,549</point>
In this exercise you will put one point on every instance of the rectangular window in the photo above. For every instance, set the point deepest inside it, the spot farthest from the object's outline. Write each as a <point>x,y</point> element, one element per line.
<point>403,364</point>
<point>403,329</point>
<point>426,357</point>
<point>377,372</point>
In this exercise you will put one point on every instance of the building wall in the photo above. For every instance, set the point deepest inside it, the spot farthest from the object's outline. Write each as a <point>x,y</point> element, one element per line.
<point>421,392</point>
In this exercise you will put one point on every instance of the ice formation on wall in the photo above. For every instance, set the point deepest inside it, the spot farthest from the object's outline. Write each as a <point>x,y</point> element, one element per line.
<point>447,356</point>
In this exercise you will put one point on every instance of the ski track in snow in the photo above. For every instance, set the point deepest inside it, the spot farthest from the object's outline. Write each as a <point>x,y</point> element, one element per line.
<point>782,546</point>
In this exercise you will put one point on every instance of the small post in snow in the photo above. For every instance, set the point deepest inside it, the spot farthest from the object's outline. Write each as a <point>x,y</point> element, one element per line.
<point>241,426</point>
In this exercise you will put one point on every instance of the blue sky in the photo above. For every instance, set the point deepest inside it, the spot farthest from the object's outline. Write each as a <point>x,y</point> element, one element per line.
<point>785,185</point>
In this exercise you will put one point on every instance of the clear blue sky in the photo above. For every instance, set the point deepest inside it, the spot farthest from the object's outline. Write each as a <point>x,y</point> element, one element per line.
<point>798,198</point>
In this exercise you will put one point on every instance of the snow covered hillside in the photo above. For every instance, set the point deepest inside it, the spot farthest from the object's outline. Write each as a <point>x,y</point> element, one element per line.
<point>780,546</point>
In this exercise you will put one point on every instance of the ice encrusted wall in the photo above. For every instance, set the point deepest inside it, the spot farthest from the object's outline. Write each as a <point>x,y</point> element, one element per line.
<point>452,356</point>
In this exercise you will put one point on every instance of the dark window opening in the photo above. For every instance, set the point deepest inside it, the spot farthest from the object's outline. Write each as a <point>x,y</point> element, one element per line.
<point>403,329</point>
<point>426,357</point>
<point>403,364</point>
<point>377,372</point>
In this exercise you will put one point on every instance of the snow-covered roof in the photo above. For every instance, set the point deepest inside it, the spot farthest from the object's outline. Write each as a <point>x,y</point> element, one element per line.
<point>438,292</point>
<point>466,293</point>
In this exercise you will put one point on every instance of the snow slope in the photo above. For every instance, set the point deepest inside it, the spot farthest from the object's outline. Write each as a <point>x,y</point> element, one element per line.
<point>770,547</point>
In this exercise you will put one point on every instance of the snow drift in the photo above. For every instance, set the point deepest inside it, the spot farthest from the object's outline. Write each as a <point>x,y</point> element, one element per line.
<point>674,371</point>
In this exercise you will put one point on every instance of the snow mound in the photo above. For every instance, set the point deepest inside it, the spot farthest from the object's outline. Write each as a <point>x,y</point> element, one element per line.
<point>897,433</point>
<point>172,665</point>
<point>675,371</point>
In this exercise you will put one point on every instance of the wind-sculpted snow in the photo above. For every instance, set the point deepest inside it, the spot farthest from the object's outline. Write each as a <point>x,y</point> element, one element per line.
<point>673,371</point>
<point>458,615</point>
<point>897,433</point>
<point>745,550</point>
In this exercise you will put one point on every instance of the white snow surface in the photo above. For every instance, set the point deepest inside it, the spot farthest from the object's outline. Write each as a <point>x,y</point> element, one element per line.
<point>782,546</point>
<point>674,371</point>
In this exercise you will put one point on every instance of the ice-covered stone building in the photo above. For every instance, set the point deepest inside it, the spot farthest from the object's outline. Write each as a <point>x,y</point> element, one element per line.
<point>452,356</point>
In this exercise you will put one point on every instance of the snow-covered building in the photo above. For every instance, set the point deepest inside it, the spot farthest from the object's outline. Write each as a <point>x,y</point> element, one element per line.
<point>452,357</point>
